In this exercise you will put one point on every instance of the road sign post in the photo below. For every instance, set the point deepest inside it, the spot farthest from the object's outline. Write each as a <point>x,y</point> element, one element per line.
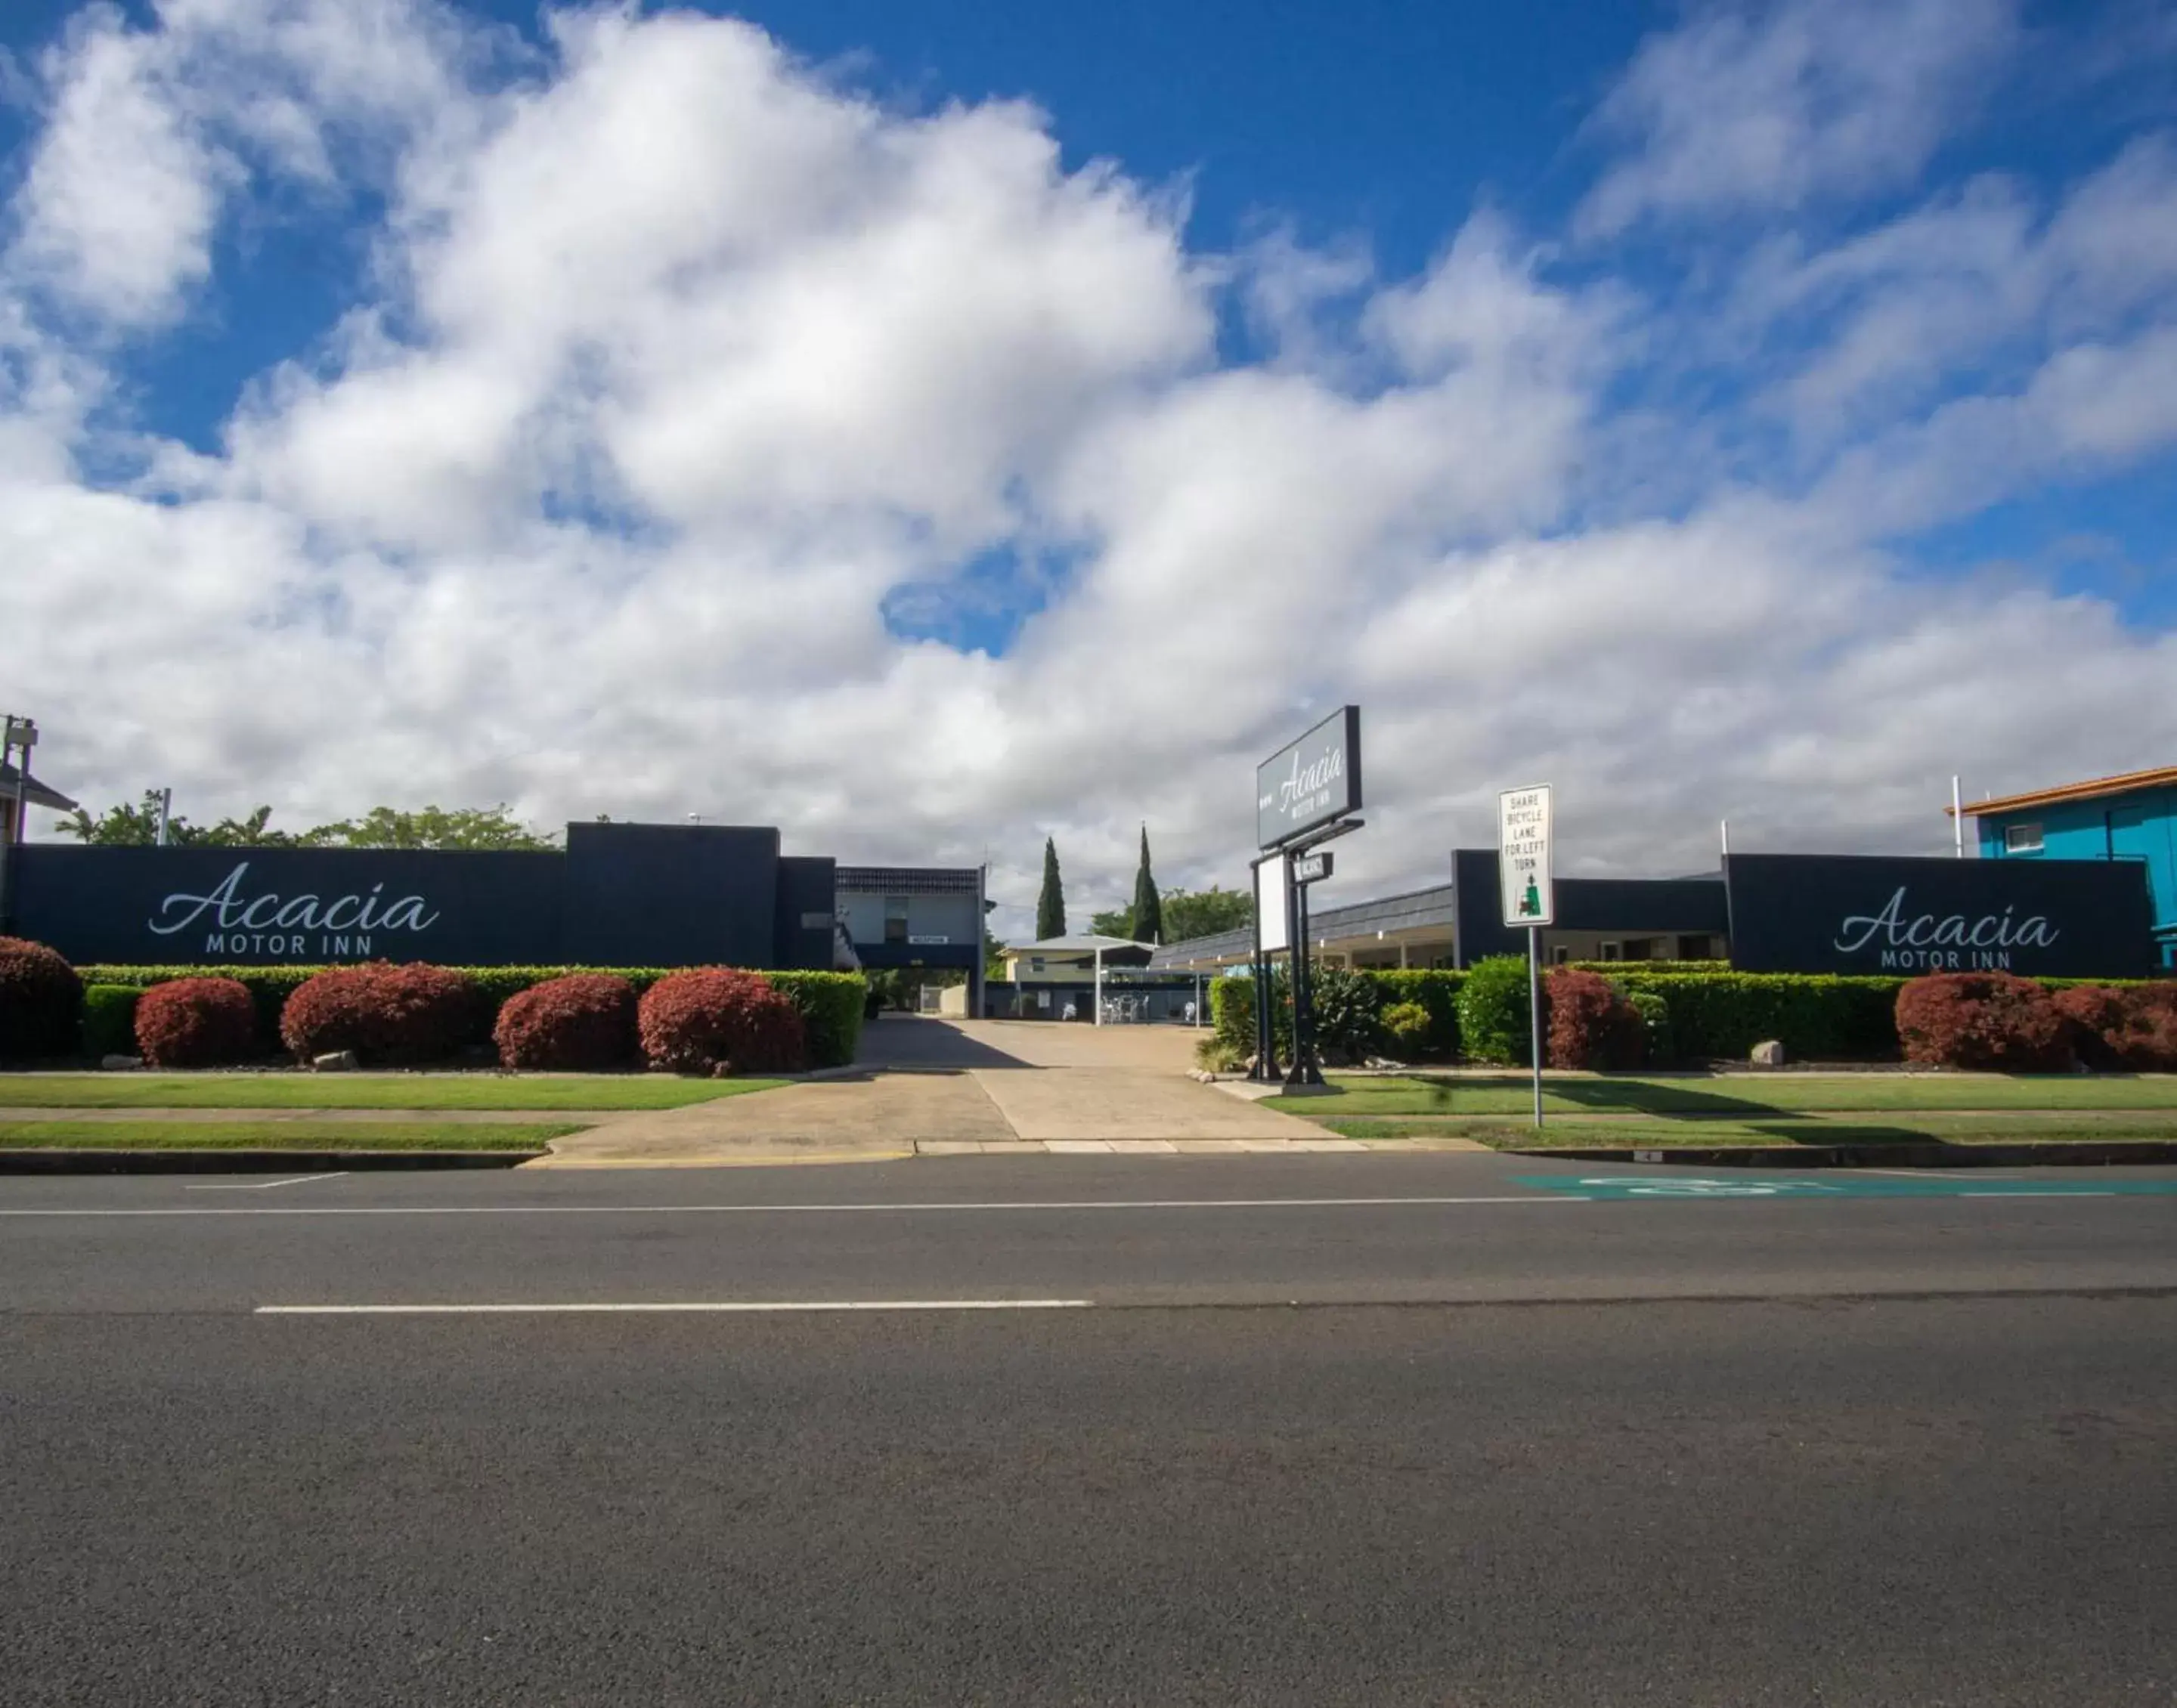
<point>1526,879</point>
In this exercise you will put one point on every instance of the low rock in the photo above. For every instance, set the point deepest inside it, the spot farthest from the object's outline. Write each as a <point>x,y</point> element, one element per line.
<point>1768,1053</point>
<point>120,1064</point>
<point>336,1061</point>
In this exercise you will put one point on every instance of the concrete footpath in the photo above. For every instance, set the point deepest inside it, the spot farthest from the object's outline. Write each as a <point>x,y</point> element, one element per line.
<point>945,1086</point>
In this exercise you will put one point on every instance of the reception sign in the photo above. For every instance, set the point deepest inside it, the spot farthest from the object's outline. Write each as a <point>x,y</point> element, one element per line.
<point>1879,914</point>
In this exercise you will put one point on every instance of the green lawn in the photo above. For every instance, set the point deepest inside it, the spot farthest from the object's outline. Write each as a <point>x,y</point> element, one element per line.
<point>209,1090</point>
<point>1904,1128</point>
<point>1739,1097</point>
<point>279,1135</point>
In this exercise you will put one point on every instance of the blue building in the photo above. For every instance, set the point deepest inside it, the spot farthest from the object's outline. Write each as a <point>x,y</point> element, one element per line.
<point>2132,817</point>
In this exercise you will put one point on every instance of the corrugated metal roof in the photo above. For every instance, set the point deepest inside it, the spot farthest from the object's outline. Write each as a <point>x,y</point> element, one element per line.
<point>908,881</point>
<point>1413,910</point>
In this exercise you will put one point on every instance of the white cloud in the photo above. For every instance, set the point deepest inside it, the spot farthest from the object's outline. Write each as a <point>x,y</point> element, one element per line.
<point>1765,108</point>
<point>678,357</point>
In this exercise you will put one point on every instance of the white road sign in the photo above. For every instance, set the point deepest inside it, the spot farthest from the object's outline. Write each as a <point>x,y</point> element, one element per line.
<point>1270,905</point>
<point>1522,856</point>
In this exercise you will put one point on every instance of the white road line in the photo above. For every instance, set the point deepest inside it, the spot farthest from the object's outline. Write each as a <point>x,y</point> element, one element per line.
<point>729,1308</point>
<point>2038,1194</point>
<point>267,1185</point>
<point>822,1209</point>
<point>1929,1173</point>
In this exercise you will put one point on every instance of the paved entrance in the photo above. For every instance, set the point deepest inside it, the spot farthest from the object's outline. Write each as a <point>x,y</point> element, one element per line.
<point>921,1080</point>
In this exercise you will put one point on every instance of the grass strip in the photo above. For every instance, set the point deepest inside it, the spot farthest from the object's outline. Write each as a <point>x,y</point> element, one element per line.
<point>1742,1097</point>
<point>425,1091</point>
<point>283,1135</point>
<point>1959,1129</point>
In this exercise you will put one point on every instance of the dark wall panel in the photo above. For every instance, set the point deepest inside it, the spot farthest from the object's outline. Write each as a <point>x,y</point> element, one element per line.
<point>264,906</point>
<point>647,895</point>
<point>1872,914</point>
<point>807,893</point>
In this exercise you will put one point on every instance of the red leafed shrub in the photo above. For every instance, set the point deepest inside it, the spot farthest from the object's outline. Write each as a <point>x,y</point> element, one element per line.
<point>40,1001</point>
<point>2133,1030</point>
<point>196,1022</point>
<point>1996,1021</point>
<point>713,1019</point>
<point>1591,1025</point>
<point>389,1016</point>
<point>582,1023</point>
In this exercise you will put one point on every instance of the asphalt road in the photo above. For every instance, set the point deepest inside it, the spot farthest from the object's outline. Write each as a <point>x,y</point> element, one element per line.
<point>1519,1439</point>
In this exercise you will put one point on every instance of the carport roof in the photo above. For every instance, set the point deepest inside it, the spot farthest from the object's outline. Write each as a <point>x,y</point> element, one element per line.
<point>1413,910</point>
<point>12,784</point>
<point>1087,943</point>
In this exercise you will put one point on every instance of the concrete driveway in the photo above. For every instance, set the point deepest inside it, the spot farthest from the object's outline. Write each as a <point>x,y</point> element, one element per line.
<point>924,1081</point>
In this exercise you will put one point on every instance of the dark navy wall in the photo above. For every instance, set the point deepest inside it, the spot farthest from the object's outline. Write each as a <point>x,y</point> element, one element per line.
<point>650,895</point>
<point>264,906</point>
<point>619,895</point>
<point>1875,914</point>
<point>802,921</point>
<point>1673,906</point>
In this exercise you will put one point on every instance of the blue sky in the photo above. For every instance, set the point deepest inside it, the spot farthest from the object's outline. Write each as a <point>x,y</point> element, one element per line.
<point>1747,409</point>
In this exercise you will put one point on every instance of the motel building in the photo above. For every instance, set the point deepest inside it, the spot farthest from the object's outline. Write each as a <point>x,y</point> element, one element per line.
<point>2074,881</point>
<point>1062,979</point>
<point>2131,817</point>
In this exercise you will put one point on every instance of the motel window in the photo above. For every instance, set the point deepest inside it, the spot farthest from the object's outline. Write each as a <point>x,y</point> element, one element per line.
<point>895,919</point>
<point>1614,952</point>
<point>2021,839</point>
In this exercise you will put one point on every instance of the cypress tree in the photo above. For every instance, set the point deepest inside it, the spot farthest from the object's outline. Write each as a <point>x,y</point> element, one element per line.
<point>1149,905</point>
<point>1051,905</point>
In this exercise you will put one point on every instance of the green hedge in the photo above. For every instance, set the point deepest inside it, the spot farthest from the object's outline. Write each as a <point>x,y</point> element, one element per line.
<point>109,1019</point>
<point>1817,1017</point>
<point>831,1003</point>
<point>1435,989</point>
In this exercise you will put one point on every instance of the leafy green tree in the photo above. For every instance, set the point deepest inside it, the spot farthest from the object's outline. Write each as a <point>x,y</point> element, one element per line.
<point>433,827</point>
<point>1051,905</point>
<point>138,827</point>
<point>1147,921</point>
<point>1191,913</point>
<point>469,827</point>
<point>993,964</point>
<point>1113,922</point>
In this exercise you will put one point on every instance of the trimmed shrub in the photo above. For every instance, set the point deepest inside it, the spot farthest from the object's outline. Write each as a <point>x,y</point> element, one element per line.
<point>40,1002</point>
<point>582,1023</point>
<point>1817,1017</point>
<point>830,1002</point>
<point>1493,1011</point>
<point>1343,1006</point>
<point>1435,990</point>
<point>1983,1020</point>
<point>1662,1044</point>
<point>713,1020</point>
<point>196,1022</point>
<point>390,1016</point>
<point>1591,1025</point>
<point>1406,1027</point>
<point>2131,1030</point>
<point>830,1005</point>
<point>109,1020</point>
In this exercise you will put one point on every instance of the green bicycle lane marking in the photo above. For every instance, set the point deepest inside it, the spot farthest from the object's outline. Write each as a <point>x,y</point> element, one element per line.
<point>1635,1187</point>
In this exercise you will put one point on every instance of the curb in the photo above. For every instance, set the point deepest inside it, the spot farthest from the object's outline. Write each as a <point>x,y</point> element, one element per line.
<point>2083,1153</point>
<point>81,1161</point>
